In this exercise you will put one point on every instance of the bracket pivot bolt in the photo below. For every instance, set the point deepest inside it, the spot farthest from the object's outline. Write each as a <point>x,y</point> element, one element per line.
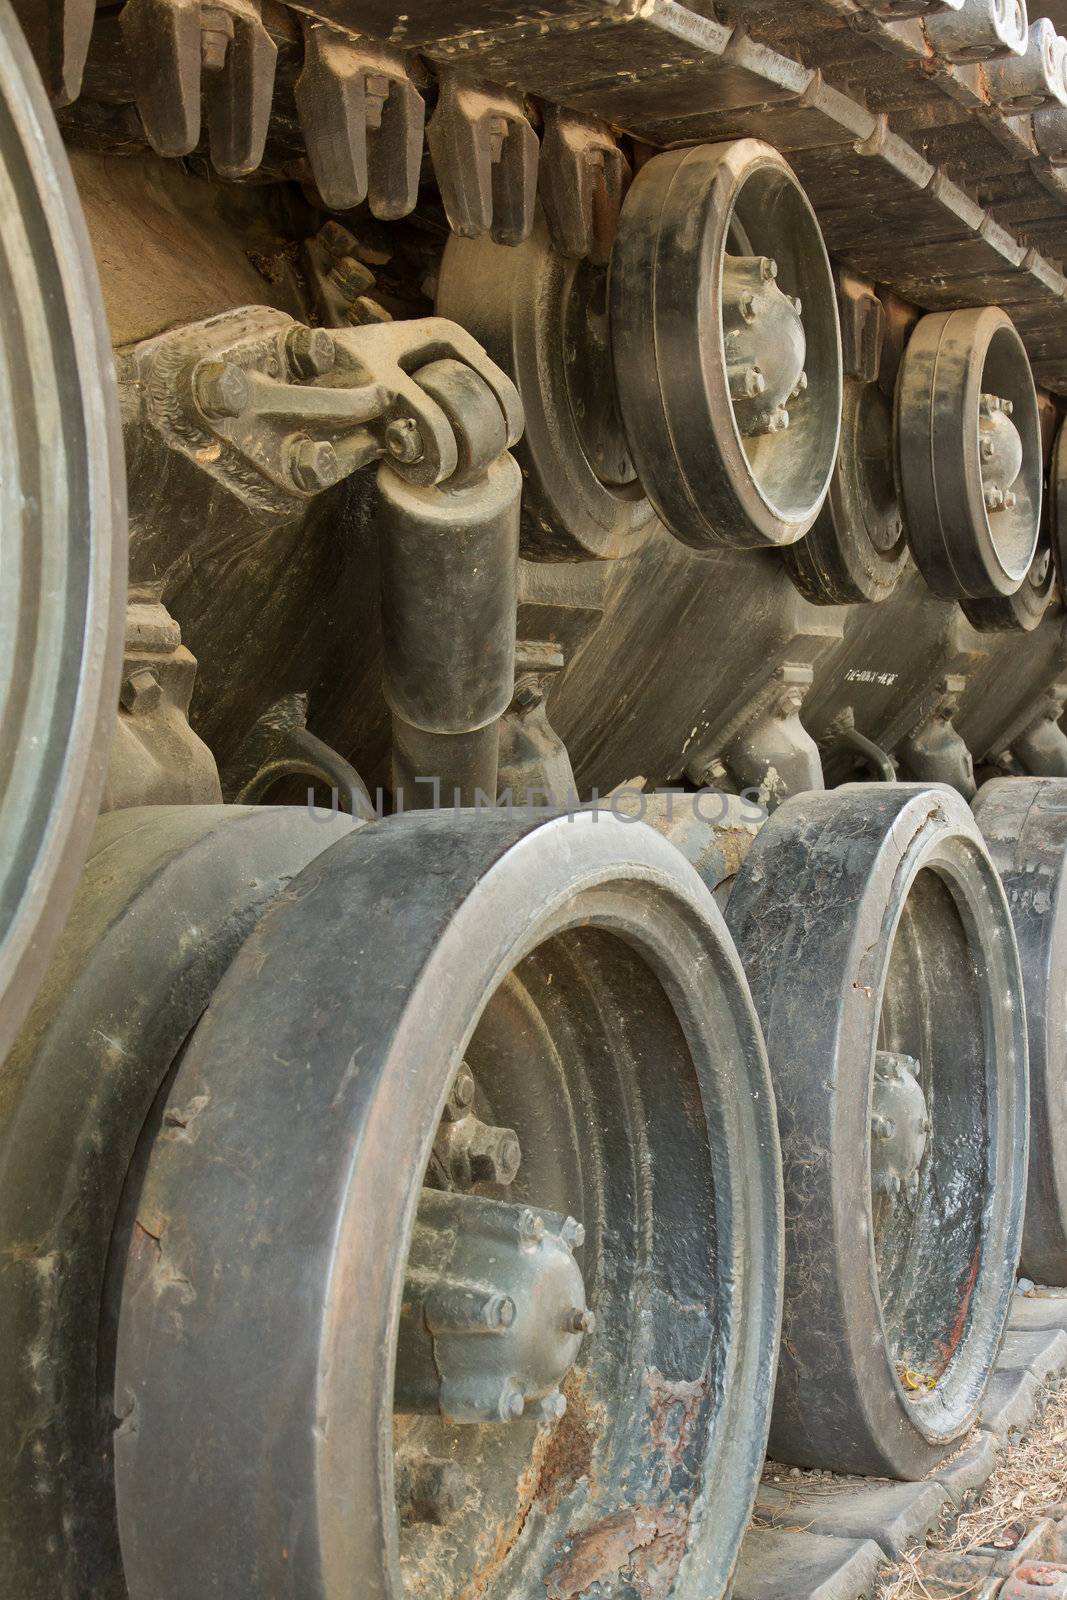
<point>314,465</point>
<point>403,441</point>
<point>221,389</point>
<point>310,352</point>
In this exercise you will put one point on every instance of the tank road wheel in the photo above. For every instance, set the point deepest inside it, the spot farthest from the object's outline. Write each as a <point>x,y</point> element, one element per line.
<point>545,321</point>
<point>62,533</point>
<point>969,453</point>
<point>727,346</point>
<point>1024,821</point>
<point>857,551</point>
<point>1022,611</point>
<point>455,1266</point>
<point>879,948</point>
<point>166,898</point>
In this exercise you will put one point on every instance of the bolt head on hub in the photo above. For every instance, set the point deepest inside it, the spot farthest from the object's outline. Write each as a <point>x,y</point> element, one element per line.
<point>900,1124</point>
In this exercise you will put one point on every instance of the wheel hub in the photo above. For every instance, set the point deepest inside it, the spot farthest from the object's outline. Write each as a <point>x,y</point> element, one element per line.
<point>765,344</point>
<point>494,1310</point>
<point>1000,449</point>
<point>900,1124</point>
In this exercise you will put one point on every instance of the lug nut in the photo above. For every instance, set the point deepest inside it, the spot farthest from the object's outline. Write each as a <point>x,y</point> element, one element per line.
<point>554,1406</point>
<point>221,389</point>
<point>747,305</point>
<point>994,498</point>
<point>531,1227</point>
<point>798,306</point>
<point>778,421</point>
<point>314,465</point>
<point>1009,500</point>
<point>581,1322</point>
<point>310,352</point>
<point>512,1405</point>
<point>768,269</point>
<point>403,440</point>
<point>882,1127</point>
<point>573,1234</point>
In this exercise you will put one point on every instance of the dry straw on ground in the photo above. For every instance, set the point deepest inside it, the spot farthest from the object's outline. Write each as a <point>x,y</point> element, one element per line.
<point>1028,1484</point>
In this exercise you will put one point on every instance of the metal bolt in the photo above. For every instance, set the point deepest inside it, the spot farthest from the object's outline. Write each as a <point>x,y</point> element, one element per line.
<point>1007,406</point>
<point>554,1406</point>
<point>747,305</point>
<point>221,389</point>
<point>313,465</point>
<point>581,1322</point>
<point>994,498</point>
<point>500,1312</point>
<point>1009,500</point>
<point>778,421</point>
<point>573,1234</point>
<point>882,1127</point>
<point>531,1227</point>
<point>461,1094</point>
<point>768,269</point>
<point>801,388</point>
<point>755,382</point>
<point>511,1405</point>
<point>140,692</point>
<point>987,448</point>
<point>216,37</point>
<point>798,306</point>
<point>403,440</point>
<point>310,352</point>
<point>494,1155</point>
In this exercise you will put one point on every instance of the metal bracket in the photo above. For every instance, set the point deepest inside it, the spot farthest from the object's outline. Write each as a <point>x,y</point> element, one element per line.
<point>277,412</point>
<point>363,121</point>
<point>862,327</point>
<point>583,180</point>
<point>179,50</point>
<point>485,156</point>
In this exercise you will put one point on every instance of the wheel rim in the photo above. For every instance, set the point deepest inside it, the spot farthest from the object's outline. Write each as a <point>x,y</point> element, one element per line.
<point>642,1392</point>
<point>856,551</point>
<point>968,442</point>
<point>727,345</point>
<point>63,532</point>
<point>1024,822</point>
<point>545,321</point>
<point>895,942</point>
<point>125,987</point>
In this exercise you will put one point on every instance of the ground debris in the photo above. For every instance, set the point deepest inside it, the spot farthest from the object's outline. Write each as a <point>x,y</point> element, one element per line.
<point>1028,1484</point>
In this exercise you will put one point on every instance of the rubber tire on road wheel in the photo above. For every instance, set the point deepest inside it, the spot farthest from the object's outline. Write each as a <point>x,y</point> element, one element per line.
<point>709,485</point>
<point>1024,822</point>
<point>62,533</point>
<point>167,896</point>
<point>870,918</point>
<point>256,1347</point>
